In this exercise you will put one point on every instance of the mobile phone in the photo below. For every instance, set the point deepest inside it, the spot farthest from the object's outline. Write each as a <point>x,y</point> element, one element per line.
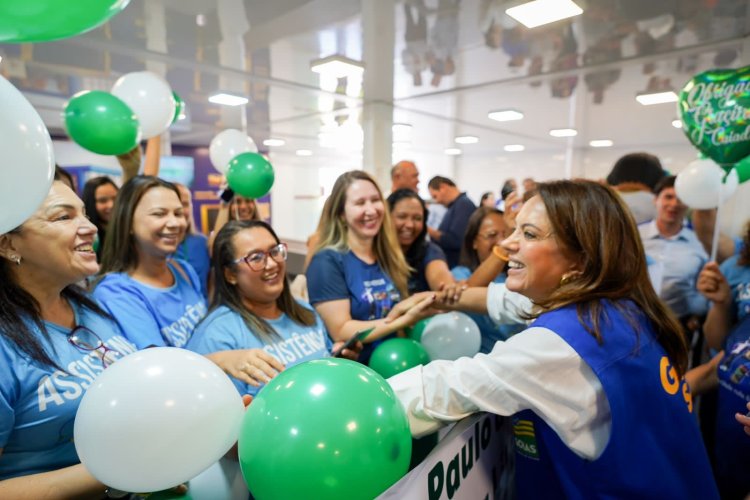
<point>357,337</point>
<point>227,195</point>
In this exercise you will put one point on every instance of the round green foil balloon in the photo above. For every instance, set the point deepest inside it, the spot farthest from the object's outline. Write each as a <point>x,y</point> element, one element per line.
<point>45,20</point>
<point>715,111</point>
<point>250,175</point>
<point>397,355</point>
<point>329,428</point>
<point>102,123</point>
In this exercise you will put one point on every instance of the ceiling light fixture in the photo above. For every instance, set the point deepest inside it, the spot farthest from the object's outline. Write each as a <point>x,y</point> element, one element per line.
<point>656,98</point>
<point>514,148</point>
<point>304,152</point>
<point>228,99</point>
<point>539,12</point>
<point>505,115</point>
<point>466,139</point>
<point>601,143</point>
<point>677,123</point>
<point>563,132</point>
<point>274,142</point>
<point>452,151</point>
<point>338,66</point>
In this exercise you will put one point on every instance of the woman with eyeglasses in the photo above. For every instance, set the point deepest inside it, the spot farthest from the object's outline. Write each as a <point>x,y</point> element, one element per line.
<point>255,328</point>
<point>485,229</point>
<point>157,300</point>
<point>426,259</point>
<point>358,272</point>
<point>54,340</point>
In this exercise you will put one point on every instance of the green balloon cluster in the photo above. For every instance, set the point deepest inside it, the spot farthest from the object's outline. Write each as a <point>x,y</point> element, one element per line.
<point>397,355</point>
<point>328,428</point>
<point>102,123</point>
<point>250,175</point>
<point>45,20</point>
<point>714,106</point>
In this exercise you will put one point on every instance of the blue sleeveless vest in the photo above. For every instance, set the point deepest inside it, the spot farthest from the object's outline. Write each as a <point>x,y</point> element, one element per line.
<point>655,448</point>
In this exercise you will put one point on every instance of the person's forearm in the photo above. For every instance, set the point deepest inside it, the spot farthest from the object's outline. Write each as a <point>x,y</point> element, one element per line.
<point>69,482</point>
<point>704,378</point>
<point>717,324</point>
<point>472,300</point>
<point>153,155</point>
<point>487,270</point>
<point>380,329</point>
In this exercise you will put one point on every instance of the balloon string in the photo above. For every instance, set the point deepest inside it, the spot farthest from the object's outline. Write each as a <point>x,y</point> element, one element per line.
<point>715,240</point>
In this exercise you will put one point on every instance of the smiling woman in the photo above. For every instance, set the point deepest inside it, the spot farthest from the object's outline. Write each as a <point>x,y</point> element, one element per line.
<point>48,330</point>
<point>156,300</point>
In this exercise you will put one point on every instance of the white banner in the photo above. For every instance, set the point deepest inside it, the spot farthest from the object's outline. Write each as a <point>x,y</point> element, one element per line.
<point>474,461</point>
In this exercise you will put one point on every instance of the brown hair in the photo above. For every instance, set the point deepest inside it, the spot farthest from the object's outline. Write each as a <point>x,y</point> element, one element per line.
<point>591,222</point>
<point>744,258</point>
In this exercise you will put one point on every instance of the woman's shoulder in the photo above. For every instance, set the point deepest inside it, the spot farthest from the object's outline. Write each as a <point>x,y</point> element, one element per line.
<point>326,258</point>
<point>113,283</point>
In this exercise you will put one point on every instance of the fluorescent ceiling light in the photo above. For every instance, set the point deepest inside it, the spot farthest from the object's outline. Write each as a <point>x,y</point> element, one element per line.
<point>274,142</point>
<point>304,152</point>
<point>601,143</point>
<point>452,151</point>
<point>677,123</point>
<point>539,12</point>
<point>227,99</point>
<point>505,115</point>
<point>338,66</point>
<point>514,148</point>
<point>563,132</point>
<point>656,98</point>
<point>466,139</point>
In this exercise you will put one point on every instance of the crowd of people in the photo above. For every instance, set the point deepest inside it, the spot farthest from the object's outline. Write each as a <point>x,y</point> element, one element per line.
<point>592,325</point>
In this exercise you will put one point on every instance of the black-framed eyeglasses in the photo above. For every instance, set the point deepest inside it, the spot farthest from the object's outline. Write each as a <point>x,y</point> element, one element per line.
<point>256,261</point>
<point>84,339</point>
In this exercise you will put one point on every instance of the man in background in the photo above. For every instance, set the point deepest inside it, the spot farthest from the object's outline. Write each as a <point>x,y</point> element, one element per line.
<point>450,234</point>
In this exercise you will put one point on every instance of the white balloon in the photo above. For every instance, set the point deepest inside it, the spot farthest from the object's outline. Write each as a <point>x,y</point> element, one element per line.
<point>698,186</point>
<point>451,336</point>
<point>228,144</point>
<point>150,97</point>
<point>28,165</point>
<point>155,419</point>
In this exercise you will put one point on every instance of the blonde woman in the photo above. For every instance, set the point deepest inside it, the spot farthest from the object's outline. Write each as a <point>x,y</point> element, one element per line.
<point>358,272</point>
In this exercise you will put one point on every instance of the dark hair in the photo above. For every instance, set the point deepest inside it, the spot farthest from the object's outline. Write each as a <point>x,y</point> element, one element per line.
<point>20,307</point>
<point>591,222</point>
<point>226,294</point>
<point>417,250</point>
<point>438,181</point>
<point>120,252</point>
<point>643,168</point>
<point>485,196</point>
<point>63,176</point>
<point>666,182</point>
<point>469,257</point>
<point>89,201</point>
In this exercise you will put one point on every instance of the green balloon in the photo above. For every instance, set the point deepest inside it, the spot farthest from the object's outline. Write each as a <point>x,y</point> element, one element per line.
<point>179,106</point>
<point>45,20</point>
<point>397,355</point>
<point>329,428</point>
<point>250,175</point>
<point>415,331</point>
<point>714,107</point>
<point>743,169</point>
<point>102,123</point>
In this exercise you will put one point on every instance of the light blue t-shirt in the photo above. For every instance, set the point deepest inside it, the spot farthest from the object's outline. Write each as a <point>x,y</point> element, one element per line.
<point>150,316</point>
<point>491,333</point>
<point>224,329</point>
<point>194,249</point>
<point>738,278</point>
<point>38,403</point>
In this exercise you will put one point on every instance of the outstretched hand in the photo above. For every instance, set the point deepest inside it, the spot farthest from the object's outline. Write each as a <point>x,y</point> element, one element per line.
<point>252,366</point>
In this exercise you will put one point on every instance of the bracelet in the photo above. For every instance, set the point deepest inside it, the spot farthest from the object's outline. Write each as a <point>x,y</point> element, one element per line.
<point>498,252</point>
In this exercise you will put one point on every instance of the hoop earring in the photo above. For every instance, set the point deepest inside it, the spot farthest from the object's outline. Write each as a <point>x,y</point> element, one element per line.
<point>565,280</point>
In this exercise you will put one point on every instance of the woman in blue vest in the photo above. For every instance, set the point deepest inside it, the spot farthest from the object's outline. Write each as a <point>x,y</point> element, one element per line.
<point>255,328</point>
<point>54,340</point>
<point>156,300</point>
<point>595,384</point>
<point>727,328</point>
